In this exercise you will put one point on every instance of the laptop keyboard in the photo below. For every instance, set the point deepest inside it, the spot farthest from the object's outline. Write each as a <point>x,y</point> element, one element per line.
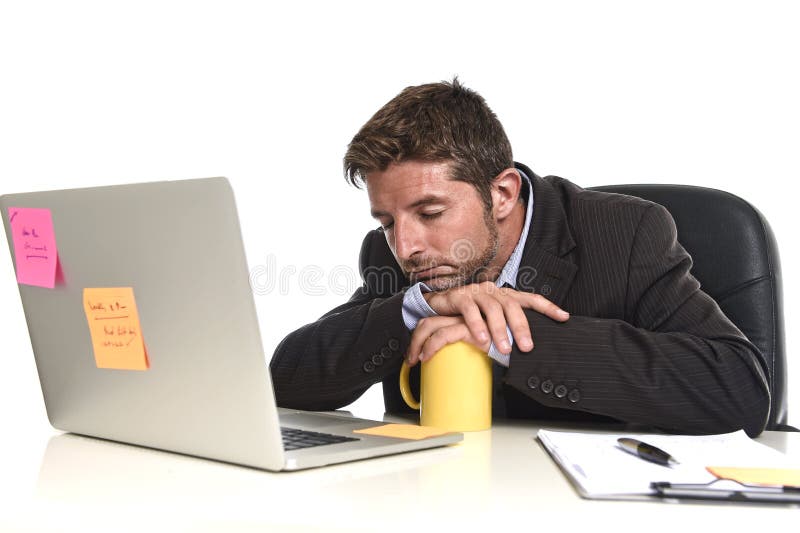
<point>295,439</point>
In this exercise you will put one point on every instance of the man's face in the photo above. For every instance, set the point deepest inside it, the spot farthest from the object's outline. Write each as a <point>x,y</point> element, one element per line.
<point>437,228</point>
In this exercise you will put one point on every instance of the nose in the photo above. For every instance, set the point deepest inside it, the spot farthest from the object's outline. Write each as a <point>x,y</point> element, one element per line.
<point>408,239</point>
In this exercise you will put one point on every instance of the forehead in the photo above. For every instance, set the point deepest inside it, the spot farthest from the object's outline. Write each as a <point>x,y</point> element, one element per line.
<point>402,185</point>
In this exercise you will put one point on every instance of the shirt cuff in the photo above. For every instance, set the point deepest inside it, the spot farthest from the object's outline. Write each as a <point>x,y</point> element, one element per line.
<point>501,358</point>
<point>415,307</point>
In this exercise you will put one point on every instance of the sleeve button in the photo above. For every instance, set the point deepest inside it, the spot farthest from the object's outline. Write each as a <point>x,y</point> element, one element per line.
<point>574,396</point>
<point>533,382</point>
<point>369,367</point>
<point>561,391</point>
<point>547,386</point>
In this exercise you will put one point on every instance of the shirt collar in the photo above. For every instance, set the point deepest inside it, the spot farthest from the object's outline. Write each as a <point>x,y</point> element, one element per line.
<point>508,276</point>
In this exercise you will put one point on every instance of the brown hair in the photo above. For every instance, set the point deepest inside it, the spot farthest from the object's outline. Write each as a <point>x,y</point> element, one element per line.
<point>434,122</point>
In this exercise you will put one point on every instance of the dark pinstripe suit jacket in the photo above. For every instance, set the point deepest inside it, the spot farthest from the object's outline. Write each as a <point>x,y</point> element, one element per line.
<point>643,344</point>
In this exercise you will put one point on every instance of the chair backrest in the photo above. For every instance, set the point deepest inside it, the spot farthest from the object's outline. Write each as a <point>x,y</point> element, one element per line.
<point>735,258</point>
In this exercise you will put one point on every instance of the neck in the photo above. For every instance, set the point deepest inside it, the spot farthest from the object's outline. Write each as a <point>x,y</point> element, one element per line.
<point>509,231</point>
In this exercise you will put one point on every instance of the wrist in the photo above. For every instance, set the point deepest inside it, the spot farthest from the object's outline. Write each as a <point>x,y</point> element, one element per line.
<point>415,307</point>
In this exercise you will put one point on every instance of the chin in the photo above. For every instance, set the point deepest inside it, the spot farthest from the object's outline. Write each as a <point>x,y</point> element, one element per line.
<point>442,283</point>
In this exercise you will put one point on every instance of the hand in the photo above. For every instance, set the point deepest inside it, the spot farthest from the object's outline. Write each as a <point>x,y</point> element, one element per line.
<point>487,309</point>
<point>434,333</point>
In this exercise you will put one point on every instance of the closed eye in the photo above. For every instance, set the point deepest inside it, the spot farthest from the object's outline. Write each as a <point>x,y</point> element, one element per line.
<point>431,216</point>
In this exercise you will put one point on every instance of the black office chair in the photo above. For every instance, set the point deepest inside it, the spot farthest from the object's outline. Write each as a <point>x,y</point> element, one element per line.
<point>736,261</point>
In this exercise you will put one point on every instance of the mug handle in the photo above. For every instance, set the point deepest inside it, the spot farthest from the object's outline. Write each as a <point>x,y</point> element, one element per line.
<point>405,387</point>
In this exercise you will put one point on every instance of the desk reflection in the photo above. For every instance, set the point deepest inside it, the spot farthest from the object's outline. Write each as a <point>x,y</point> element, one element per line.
<point>501,475</point>
<point>89,472</point>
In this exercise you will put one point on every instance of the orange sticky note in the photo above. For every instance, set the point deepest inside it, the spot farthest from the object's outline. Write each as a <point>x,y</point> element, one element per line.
<point>114,327</point>
<point>35,252</point>
<point>787,477</point>
<point>403,431</point>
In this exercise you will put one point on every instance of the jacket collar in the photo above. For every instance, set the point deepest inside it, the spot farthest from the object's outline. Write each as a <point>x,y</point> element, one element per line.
<point>546,268</point>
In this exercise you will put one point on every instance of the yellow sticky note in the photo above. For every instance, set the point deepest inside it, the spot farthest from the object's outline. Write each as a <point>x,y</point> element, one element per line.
<point>114,327</point>
<point>758,476</point>
<point>403,431</point>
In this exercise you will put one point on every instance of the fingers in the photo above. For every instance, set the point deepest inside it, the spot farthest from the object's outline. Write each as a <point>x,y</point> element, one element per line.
<point>480,314</point>
<point>475,322</point>
<point>519,326</point>
<point>425,328</point>
<point>441,338</point>
<point>434,333</point>
<point>492,306</point>
<point>482,306</point>
<point>542,305</point>
<point>461,301</point>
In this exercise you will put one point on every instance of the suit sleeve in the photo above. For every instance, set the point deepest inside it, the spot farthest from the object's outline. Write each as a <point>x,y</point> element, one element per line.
<point>675,361</point>
<point>329,363</point>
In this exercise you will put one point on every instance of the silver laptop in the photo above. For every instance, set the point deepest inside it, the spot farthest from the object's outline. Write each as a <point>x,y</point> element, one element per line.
<point>207,391</point>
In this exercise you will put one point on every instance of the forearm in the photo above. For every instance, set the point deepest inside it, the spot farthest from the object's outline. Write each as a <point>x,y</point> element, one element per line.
<point>329,363</point>
<point>706,381</point>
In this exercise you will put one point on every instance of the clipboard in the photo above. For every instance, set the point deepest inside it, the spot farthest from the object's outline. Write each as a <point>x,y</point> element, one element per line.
<point>598,469</point>
<point>727,490</point>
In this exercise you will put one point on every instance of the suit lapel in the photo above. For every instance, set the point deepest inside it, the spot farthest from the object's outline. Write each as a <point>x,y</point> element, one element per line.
<point>545,268</point>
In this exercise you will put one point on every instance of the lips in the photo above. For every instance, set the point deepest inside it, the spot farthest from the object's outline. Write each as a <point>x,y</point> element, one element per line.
<point>428,273</point>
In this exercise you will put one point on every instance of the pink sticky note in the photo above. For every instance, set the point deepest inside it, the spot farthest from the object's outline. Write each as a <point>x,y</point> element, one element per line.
<point>34,246</point>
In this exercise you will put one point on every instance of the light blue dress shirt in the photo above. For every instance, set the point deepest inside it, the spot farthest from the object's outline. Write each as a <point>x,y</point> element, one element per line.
<point>415,308</point>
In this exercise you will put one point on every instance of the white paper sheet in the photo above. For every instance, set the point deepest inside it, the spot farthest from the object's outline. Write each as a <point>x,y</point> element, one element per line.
<point>601,468</point>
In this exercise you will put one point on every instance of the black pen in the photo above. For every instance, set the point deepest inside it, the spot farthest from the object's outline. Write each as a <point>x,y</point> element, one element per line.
<point>646,451</point>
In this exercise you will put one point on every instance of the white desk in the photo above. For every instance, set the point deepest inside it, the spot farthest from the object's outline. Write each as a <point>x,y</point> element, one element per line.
<point>502,476</point>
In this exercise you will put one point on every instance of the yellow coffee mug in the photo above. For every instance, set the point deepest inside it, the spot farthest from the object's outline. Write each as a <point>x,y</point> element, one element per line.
<point>455,389</point>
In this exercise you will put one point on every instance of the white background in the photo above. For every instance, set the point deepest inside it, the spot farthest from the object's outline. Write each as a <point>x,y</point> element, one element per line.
<point>95,93</point>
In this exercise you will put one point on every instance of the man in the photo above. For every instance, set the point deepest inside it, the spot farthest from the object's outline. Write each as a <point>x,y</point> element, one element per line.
<point>583,299</point>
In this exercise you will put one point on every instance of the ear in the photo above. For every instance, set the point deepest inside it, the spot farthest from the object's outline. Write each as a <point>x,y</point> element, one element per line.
<point>506,187</point>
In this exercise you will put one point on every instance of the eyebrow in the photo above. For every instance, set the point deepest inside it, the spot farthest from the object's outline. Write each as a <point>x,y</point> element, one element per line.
<point>425,200</point>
